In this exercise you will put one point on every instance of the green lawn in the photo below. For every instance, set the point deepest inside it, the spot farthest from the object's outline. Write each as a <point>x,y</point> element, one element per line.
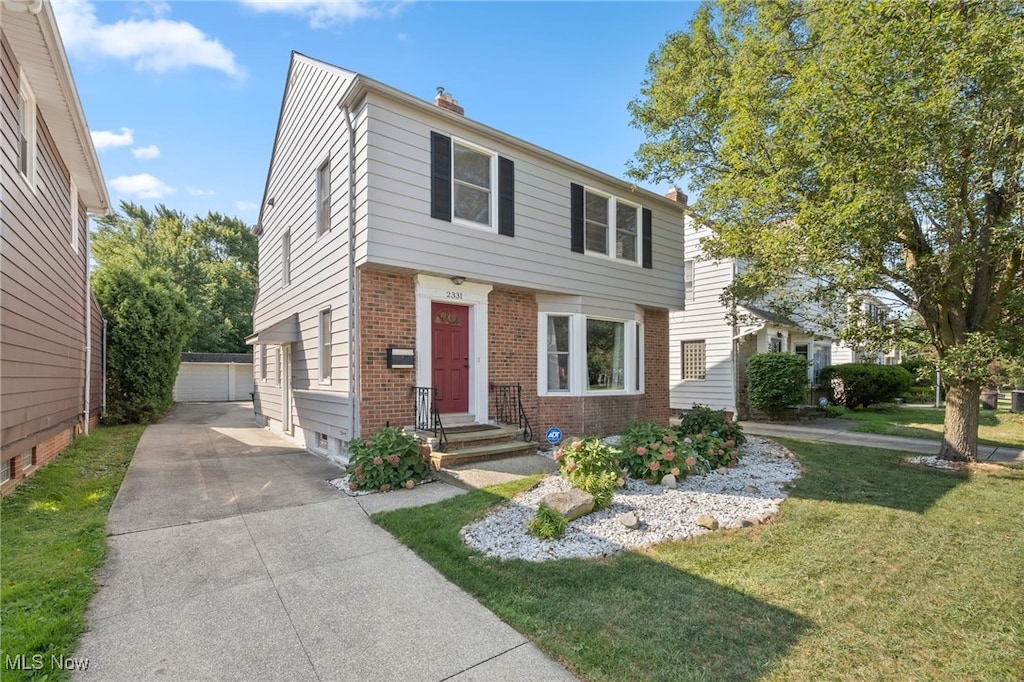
<point>999,427</point>
<point>872,570</point>
<point>52,541</point>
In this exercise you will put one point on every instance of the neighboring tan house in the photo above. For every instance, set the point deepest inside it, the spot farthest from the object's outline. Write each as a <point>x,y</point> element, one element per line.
<point>51,329</point>
<point>417,264</point>
<point>876,311</point>
<point>708,355</point>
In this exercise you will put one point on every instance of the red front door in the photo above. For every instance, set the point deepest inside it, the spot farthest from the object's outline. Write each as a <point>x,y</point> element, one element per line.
<point>450,362</point>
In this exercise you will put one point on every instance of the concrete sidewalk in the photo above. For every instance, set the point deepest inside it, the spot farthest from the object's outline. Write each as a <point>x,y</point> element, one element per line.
<point>838,431</point>
<point>232,558</point>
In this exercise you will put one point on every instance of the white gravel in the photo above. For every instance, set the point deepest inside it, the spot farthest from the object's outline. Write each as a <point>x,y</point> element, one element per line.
<point>729,495</point>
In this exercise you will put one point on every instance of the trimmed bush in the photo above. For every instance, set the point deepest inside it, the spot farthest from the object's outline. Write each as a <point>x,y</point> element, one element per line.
<point>391,459</point>
<point>592,466</point>
<point>702,419</point>
<point>776,381</point>
<point>861,384</point>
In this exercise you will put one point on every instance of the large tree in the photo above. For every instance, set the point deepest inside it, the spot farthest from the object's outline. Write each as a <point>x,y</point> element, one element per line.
<point>869,146</point>
<point>213,259</point>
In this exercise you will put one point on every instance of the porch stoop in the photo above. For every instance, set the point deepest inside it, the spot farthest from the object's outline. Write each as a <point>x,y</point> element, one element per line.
<point>476,443</point>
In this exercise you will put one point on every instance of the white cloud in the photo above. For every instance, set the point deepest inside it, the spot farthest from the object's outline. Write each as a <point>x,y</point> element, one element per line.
<point>246,206</point>
<point>150,152</point>
<point>101,139</point>
<point>155,44</point>
<point>324,13</point>
<point>192,191</point>
<point>144,186</point>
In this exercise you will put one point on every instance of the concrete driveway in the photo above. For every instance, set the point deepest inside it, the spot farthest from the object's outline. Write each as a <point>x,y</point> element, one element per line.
<point>232,558</point>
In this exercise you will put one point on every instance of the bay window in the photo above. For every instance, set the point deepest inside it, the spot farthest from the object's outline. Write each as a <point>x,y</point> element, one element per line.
<point>582,355</point>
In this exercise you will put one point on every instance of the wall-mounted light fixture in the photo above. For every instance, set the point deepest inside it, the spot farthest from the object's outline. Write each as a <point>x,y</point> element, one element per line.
<point>270,202</point>
<point>458,279</point>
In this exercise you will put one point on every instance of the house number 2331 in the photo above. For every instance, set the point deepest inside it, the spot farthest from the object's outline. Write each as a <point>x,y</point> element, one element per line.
<point>453,295</point>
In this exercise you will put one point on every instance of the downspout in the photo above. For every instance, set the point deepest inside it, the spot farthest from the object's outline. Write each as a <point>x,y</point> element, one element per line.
<point>103,352</point>
<point>88,336</point>
<point>353,286</point>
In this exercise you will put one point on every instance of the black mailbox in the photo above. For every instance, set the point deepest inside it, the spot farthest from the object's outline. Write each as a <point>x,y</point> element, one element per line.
<point>401,357</point>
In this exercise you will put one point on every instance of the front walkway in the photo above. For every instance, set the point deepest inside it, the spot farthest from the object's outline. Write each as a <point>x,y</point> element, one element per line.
<point>232,558</point>
<point>838,431</point>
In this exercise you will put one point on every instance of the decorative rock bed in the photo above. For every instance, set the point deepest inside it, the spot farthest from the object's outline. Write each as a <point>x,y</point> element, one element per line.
<point>748,494</point>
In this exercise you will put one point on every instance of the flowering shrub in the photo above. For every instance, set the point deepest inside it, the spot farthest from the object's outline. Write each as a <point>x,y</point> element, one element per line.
<point>650,451</point>
<point>702,419</point>
<point>547,523</point>
<point>713,449</point>
<point>590,465</point>
<point>392,458</point>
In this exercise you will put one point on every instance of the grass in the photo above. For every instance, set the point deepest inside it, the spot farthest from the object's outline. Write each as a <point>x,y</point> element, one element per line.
<point>998,427</point>
<point>873,570</point>
<point>52,541</point>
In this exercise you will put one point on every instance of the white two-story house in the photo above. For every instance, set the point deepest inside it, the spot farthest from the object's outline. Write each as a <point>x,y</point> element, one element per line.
<point>414,259</point>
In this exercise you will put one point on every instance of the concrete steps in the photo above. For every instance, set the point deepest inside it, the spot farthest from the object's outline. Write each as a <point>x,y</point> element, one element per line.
<point>476,443</point>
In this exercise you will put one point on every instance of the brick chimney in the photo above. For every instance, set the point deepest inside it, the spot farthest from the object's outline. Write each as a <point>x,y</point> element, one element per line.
<point>446,101</point>
<point>676,194</point>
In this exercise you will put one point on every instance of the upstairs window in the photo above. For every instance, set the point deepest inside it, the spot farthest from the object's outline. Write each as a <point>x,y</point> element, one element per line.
<point>471,184</point>
<point>323,197</point>
<point>688,279</point>
<point>286,258</point>
<point>325,346</point>
<point>26,130</point>
<point>608,226</point>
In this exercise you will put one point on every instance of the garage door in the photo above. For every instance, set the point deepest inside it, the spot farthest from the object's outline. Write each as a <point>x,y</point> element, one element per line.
<point>212,382</point>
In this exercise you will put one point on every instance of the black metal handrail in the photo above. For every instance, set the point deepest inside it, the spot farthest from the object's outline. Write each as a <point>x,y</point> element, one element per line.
<point>508,408</point>
<point>428,418</point>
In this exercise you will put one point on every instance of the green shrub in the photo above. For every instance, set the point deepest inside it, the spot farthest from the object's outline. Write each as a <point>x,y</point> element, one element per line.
<point>776,381</point>
<point>861,384</point>
<point>546,524</point>
<point>592,466</point>
<point>702,419</point>
<point>920,394</point>
<point>391,459</point>
<point>148,322</point>
<point>650,451</point>
<point>713,449</point>
<point>922,372</point>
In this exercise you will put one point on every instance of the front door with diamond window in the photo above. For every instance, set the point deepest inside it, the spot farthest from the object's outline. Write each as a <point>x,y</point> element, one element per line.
<point>450,351</point>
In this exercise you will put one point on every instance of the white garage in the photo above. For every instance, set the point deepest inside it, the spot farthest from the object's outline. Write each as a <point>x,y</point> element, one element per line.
<point>213,377</point>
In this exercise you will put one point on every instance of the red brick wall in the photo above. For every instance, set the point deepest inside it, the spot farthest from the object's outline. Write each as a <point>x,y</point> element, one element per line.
<point>512,345</point>
<point>656,390</point>
<point>387,316</point>
<point>44,451</point>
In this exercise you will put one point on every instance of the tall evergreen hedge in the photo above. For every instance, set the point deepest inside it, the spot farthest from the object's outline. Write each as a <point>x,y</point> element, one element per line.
<point>776,381</point>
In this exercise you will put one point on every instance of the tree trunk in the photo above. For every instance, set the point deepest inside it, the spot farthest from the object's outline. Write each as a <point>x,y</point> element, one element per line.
<point>960,426</point>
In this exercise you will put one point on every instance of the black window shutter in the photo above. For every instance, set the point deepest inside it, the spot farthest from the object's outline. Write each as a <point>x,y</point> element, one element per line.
<point>506,197</point>
<point>648,260</point>
<point>576,216</point>
<point>440,176</point>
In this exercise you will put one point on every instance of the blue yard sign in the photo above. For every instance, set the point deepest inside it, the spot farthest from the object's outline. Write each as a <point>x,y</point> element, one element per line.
<point>554,435</point>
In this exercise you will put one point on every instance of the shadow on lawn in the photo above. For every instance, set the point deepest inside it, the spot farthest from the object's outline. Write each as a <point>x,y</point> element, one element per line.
<point>857,475</point>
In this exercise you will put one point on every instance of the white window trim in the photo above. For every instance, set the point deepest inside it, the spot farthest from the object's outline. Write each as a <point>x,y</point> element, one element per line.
<point>261,366</point>
<point>28,114</point>
<point>689,279</point>
<point>492,207</point>
<point>323,217</point>
<point>325,362</point>
<point>612,234</point>
<point>578,383</point>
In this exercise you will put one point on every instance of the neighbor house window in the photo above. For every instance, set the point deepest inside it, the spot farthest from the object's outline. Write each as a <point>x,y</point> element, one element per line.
<point>325,346</point>
<point>688,279</point>
<point>580,354</point>
<point>695,365</point>
<point>323,197</point>
<point>263,363</point>
<point>822,359</point>
<point>26,130</point>
<point>74,215</point>
<point>277,364</point>
<point>286,258</point>
<point>606,362</point>
<point>471,184</point>
<point>558,353</point>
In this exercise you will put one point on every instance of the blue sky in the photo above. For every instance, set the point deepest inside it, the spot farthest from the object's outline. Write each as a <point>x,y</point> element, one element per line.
<point>182,98</point>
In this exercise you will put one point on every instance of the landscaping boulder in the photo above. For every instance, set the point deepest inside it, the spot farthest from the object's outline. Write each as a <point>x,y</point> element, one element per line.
<point>571,505</point>
<point>668,481</point>
<point>630,520</point>
<point>707,521</point>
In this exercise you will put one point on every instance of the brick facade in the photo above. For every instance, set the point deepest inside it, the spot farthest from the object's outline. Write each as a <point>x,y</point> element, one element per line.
<point>387,316</point>
<point>23,465</point>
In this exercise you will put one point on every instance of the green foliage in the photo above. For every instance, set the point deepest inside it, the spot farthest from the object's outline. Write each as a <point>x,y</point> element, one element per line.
<point>650,451</point>
<point>213,259</point>
<point>547,524</point>
<point>860,384</point>
<point>713,450</point>
<point>776,381</point>
<point>148,322</point>
<point>702,419</point>
<point>862,147</point>
<point>592,466</point>
<point>391,459</point>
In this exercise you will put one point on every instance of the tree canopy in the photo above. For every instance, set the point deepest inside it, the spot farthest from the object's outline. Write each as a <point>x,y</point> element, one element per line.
<point>868,146</point>
<point>213,259</point>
